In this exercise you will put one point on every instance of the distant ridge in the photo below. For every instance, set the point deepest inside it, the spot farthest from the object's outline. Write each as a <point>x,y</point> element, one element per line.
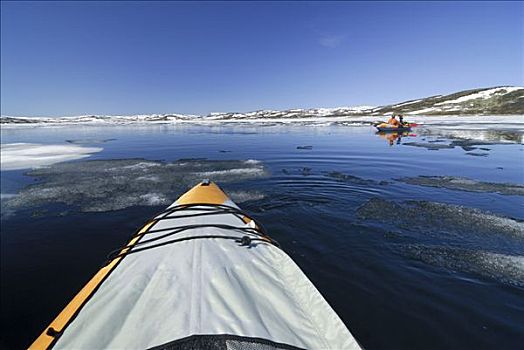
<point>500,100</point>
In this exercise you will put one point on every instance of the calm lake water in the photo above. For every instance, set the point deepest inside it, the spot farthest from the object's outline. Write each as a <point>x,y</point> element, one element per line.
<point>405,265</point>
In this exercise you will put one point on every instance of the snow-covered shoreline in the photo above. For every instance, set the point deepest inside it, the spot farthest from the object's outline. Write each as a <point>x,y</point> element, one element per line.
<point>497,102</point>
<point>516,121</point>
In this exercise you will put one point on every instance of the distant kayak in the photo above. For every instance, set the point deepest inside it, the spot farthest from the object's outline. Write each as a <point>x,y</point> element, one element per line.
<point>385,124</point>
<point>385,127</point>
<point>200,275</point>
<point>393,129</point>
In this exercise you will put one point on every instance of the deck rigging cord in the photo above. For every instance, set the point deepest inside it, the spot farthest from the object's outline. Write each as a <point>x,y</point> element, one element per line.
<point>204,209</point>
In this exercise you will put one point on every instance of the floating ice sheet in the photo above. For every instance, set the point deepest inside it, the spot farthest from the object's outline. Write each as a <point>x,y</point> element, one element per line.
<point>465,144</point>
<point>105,185</point>
<point>476,134</point>
<point>16,156</point>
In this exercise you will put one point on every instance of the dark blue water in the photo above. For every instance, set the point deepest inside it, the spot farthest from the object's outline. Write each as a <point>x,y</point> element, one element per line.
<point>431,276</point>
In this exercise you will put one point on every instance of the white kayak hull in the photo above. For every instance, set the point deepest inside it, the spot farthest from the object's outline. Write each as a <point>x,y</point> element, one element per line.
<point>199,287</point>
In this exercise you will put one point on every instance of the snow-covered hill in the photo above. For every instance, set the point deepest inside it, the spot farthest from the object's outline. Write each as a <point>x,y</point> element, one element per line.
<point>98,119</point>
<point>504,100</point>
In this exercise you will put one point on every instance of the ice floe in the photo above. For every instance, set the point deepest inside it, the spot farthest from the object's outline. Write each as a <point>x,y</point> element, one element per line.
<point>467,140</point>
<point>15,156</point>
<point>477,134</point>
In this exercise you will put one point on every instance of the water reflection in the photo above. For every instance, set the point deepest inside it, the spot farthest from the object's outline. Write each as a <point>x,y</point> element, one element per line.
<point>394,137</point>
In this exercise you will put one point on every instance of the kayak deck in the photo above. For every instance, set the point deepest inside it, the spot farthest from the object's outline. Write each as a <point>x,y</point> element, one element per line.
<point>202,268</point>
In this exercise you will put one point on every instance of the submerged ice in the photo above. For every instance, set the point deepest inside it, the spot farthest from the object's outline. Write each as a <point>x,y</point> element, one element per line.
<point>501,267</point>
<point>106,185</point>
<point>453,237</point>
<point>465,184</point>
<point>432,217</point>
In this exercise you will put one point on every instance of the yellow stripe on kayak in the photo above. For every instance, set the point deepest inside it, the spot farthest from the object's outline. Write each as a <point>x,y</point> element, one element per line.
<point>45,340</point>
<point>208,194</point>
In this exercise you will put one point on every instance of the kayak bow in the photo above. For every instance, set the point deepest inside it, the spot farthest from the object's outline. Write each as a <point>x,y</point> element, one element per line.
<point>201,274</point>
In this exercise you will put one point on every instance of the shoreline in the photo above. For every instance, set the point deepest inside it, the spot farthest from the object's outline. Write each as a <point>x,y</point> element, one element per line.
<point>517,120</point>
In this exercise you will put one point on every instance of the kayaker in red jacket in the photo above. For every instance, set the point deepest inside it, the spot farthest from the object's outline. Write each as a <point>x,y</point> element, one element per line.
<point>394,122</point>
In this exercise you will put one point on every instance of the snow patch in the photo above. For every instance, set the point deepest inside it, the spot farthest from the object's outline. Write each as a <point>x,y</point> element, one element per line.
<point>422,111</point>
<point>485,94</point>
<point>407,103</point>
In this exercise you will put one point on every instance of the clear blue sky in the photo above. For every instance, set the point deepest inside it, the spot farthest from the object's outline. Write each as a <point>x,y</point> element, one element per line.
<point>72,58</point>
